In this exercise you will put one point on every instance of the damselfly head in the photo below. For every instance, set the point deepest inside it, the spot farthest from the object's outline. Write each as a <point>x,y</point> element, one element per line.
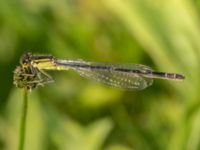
<point>26,58</point>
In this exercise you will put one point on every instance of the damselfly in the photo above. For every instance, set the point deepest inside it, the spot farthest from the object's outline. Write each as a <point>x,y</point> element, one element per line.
<point>31,72</point>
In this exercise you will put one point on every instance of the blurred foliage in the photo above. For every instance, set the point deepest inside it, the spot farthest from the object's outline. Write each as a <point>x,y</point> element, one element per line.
<point>76,114</point>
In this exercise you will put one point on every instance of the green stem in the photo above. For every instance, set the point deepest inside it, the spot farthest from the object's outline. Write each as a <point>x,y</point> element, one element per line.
<point>23,120</point>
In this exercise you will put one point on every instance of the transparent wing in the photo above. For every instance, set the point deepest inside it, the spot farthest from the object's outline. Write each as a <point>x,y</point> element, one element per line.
<point>111,75</point>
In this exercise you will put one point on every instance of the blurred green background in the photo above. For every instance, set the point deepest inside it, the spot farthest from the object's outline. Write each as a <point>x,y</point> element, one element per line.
<point>74,113</point>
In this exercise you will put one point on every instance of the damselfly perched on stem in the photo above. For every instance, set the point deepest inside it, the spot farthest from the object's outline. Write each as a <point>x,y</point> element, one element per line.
<point>31,72</point>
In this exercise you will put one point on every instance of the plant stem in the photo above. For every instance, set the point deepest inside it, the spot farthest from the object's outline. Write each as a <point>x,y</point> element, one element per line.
<point>23,120</point>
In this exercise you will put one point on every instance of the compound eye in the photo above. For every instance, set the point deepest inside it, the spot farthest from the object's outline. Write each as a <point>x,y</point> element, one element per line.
<point>26,58</point>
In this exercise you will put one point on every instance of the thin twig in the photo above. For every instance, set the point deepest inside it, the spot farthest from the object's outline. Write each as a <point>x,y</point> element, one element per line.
<point>23,120</point>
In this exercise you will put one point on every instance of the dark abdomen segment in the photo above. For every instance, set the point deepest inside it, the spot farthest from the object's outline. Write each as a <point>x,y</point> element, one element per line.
<point>163,75</point>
